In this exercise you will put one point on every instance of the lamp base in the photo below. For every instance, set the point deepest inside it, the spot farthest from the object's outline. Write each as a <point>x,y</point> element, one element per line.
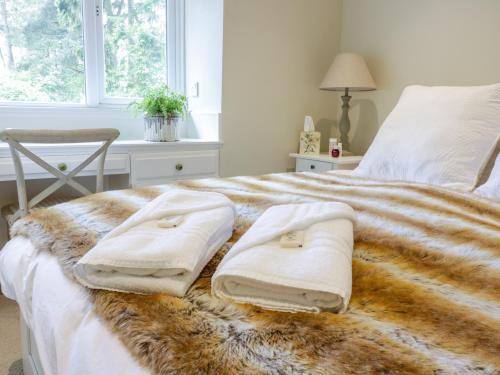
<point>345,123</point>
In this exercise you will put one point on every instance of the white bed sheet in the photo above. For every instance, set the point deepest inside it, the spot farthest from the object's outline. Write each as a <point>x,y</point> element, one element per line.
<point>70,337</point>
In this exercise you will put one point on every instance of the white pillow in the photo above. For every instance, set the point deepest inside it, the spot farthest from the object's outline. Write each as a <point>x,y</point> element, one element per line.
<point>491,188</point>
<point>436,135</point>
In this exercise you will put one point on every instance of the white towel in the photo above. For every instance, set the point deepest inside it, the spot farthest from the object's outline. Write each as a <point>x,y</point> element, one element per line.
<point>143,255</point>
<point>314,277</point>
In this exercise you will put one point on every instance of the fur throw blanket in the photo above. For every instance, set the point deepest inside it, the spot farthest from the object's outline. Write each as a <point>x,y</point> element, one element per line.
<point>425,298</point>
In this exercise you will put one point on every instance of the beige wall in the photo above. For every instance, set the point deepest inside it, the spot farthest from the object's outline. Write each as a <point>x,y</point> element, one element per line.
<point>431,42</point>
<point>275,55</point>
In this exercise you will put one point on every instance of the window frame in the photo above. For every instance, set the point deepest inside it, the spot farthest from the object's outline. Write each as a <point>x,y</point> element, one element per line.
<point>93,44</point>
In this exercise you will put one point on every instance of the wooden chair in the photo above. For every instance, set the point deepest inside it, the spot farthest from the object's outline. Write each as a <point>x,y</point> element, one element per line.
<point>17,137</point>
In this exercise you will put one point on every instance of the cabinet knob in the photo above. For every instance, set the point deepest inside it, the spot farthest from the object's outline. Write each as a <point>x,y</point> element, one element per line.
<point>62,167</point>
<point>313,166</point>
<point>179,167</point>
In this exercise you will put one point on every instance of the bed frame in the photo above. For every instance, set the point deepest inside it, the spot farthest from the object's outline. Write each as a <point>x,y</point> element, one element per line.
<point>31,359</point>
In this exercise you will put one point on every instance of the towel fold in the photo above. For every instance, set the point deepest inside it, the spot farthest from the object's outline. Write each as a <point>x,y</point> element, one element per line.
<point>314,277</point>
<point>163,247</point>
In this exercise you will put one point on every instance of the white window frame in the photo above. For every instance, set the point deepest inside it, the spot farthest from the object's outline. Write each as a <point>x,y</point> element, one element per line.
<point>94,60</point>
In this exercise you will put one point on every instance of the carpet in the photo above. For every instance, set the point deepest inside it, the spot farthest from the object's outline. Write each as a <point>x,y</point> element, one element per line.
<point>10,340</point>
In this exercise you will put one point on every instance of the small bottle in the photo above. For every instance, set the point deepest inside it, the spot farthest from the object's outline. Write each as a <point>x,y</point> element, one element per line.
<point>335,151</point>
<point>340,150</point>
<point>332,142</point>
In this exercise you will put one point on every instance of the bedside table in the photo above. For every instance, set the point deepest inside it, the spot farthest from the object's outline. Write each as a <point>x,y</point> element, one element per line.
<point>324,162</point>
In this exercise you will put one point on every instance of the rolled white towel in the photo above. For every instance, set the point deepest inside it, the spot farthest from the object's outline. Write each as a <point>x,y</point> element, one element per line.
<point>163,247</point>
<point>314,277</point>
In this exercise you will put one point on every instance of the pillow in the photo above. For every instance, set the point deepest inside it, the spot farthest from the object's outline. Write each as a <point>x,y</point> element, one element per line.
<point>491,188</point>
<point>436,135</point>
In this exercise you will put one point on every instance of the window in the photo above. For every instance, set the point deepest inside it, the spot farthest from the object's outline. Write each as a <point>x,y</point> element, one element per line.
<point>87,52</point>
<point>41,51</point>
<point>134,35</point>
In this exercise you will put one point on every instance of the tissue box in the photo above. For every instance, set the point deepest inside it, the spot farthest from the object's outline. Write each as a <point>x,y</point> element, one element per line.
<point>309,143</point>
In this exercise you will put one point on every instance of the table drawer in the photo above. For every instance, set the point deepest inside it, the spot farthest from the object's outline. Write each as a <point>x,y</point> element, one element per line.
<point>114,164</point>
<point>303,165</point>
<point>159,168</point>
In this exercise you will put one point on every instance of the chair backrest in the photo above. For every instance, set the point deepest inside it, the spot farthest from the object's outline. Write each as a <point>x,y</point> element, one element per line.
<point>15,138</point>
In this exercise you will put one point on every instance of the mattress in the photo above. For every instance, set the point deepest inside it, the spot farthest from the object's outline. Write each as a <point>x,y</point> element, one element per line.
<point>431,250</point>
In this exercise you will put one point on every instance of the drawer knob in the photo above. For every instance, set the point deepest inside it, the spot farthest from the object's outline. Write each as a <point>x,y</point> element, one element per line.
<point>313,166</point>
<point>62,167</point>
<point>179,167</point>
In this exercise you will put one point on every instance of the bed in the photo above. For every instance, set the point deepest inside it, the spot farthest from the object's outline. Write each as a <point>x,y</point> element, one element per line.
<point>425,294</point>
<point>425,266</point>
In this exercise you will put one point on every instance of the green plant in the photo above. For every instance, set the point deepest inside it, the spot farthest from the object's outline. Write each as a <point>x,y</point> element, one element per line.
<point>161,101</point>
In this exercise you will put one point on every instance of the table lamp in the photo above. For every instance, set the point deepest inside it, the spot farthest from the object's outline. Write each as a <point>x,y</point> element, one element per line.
<point>348,72</point>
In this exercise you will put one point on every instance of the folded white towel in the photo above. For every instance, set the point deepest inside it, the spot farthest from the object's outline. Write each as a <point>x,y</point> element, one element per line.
<point>314,277</point>
<point>161,248</point>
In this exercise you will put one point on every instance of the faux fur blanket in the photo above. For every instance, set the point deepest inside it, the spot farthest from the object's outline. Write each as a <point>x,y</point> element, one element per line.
<point>425,298</point>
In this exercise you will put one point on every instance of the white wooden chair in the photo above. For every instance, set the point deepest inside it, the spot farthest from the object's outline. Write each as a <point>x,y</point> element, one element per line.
<point>16,137</point>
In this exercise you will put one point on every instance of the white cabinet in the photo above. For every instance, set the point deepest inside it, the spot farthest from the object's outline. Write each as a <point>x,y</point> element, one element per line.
<point>324,162</point>
<point>159,168</point>
<point>302,165</point>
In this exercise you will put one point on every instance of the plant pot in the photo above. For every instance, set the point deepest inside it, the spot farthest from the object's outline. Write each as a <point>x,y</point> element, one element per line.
<point>161,129</point>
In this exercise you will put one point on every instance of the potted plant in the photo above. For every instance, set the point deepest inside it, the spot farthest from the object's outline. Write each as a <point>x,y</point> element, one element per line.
<point>163,110</point>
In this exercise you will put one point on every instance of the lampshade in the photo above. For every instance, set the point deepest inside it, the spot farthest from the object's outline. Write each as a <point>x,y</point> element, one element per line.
<point>348,71</point>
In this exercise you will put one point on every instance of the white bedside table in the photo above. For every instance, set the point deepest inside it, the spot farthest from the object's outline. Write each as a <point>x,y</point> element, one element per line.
<point>324,162</point>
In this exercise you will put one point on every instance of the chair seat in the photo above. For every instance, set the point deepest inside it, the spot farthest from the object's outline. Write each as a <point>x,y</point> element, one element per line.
<point>8,211</point>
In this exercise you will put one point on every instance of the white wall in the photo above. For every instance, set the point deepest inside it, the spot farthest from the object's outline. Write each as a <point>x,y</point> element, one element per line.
<point>276,53</point>
<point>431,42</point>
<point>204,29</point>
<point>204,33</point>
